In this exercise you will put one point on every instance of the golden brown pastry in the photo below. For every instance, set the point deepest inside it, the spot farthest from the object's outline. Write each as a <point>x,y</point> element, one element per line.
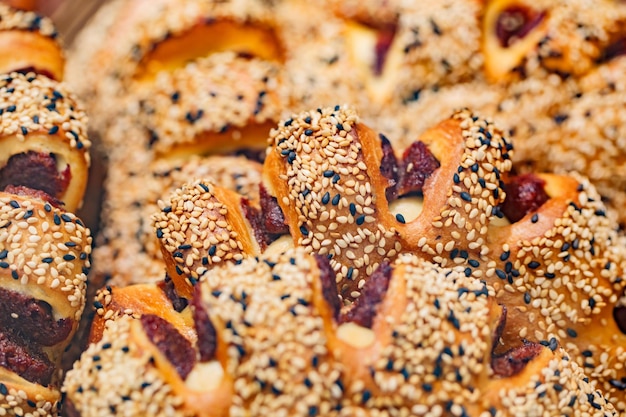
<point>543,241</point>
<point>128,248</point>
<point>558,267</point>
<point>43,138</point>
<point>45,255</point>
<point>202,225</point>
<point>344,194</point>
<point>564,37</point>
<point>269,339</point>
<point>180,106</point>
<point>28,42</point>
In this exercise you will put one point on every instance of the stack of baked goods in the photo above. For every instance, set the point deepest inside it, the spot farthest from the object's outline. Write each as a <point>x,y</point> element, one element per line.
<point>447,243</point>
<point>538,246</point>
<point>45,249</point>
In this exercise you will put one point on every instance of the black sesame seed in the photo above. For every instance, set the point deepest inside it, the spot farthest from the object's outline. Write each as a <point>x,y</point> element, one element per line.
<point>527,298</point>
<point>619,384</point>
<point>572,332</point>
<point>335,200</point>
<point>534,218</point>
<point>326,198</point>
<point>366,396</point>
<point>400,218</point>
<point>553,344</point>
<point>466,196</point>
<point>329,173</point>
<point>455,321</point>
<point>533,264</point>
<point>360,220</point>
<point>308,132</point>
<point>350,273</point>
<point>53,130</point>
<point>3,253</point>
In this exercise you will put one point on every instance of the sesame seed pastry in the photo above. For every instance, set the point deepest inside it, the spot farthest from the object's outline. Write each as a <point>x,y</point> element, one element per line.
<point>558,266</point>
<point>178,101</point>
<point>28,42</point>
<point>565,37</point>
<point>161,37</point>
<point>202,225</point>
<point>43,137</point>
<point>344,193</point>
<point>543,241</point>
<point>128,250</point>
<point>45,255</point>
<point>588,132</point>
<point>269,339</point>
<point>219,104</point>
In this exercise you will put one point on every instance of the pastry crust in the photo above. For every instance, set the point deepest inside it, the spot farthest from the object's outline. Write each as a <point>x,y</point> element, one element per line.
<point>43,117</point>
<point>46,255</point>
<point>278,350</point>
<point>201,226</point>
<point>29,42</point>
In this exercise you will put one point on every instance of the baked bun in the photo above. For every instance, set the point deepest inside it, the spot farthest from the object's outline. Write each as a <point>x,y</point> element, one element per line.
<point>555,37</point>
<point>558,267</point>
<point>335,188</point>
<point>43,137</point>
<point>28,42</point>
<point>129,250</point>
<point>269,339</point>
<point>45,255</point>
<point>343,192</point>
<point>200,226</point>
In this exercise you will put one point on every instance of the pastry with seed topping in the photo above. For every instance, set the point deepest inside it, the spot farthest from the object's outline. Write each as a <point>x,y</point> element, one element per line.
<point>29,42</point>
<point>266,336</point>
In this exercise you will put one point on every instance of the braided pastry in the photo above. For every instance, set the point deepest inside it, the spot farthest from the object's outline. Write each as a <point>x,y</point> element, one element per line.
<point>331,175</point>
<point>558,37</point>
<point>44,260</point>
<point>29,42</point>
<point>269,339</point>
<point>43,139</point>
<point>529,236</point>
<point>559,270</point>
<point>128,249</point>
